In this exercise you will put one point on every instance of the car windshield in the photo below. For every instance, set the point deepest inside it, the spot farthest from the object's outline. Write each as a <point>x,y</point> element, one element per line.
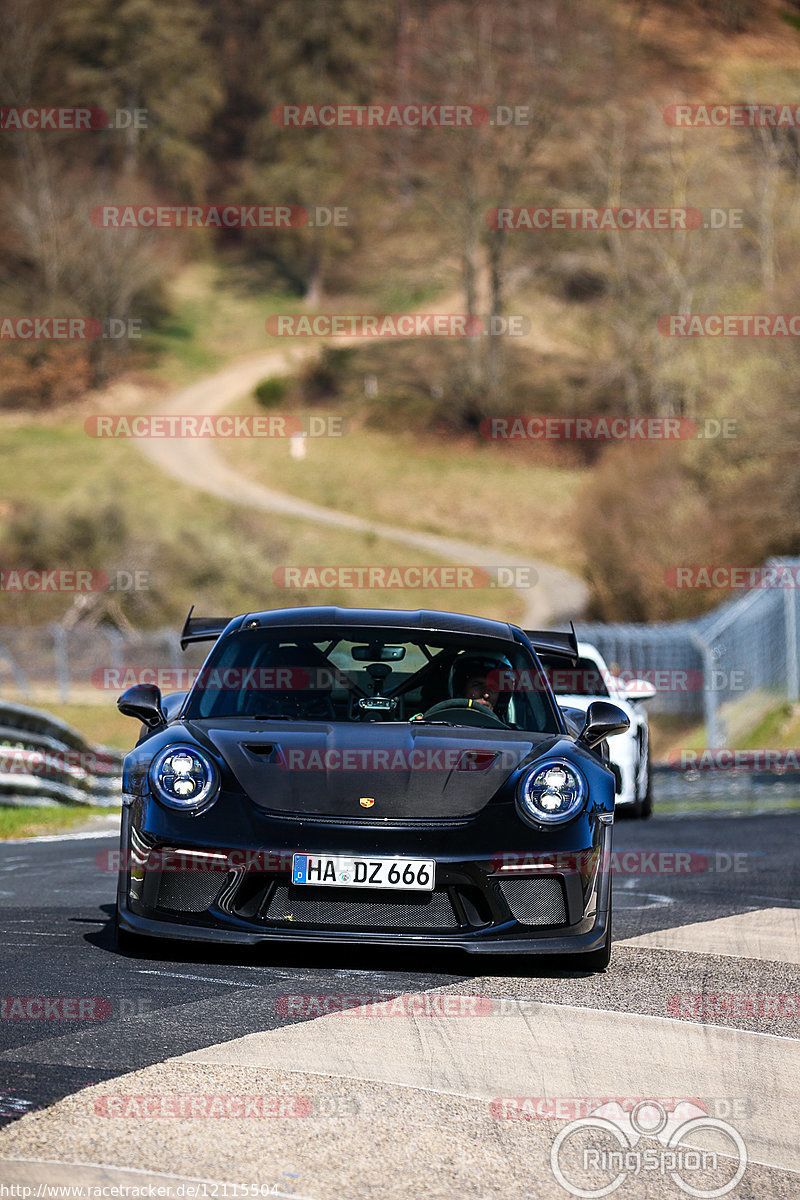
<point>583,679</point>
<point>373,674</point>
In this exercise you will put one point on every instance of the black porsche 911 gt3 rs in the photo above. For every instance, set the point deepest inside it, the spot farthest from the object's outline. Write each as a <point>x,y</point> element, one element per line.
<point>369,776</point>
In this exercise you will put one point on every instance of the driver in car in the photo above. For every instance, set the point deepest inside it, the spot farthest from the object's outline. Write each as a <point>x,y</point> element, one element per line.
<point>473,684</point>
<point>471,679</point>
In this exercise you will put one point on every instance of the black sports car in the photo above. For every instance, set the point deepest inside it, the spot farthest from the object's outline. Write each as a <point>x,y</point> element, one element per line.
<point>369,776</point>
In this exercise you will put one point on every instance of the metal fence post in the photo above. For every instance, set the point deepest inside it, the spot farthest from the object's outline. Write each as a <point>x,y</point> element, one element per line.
<point>61,656</point>
<point>791,610</point>
<point>715,734</point>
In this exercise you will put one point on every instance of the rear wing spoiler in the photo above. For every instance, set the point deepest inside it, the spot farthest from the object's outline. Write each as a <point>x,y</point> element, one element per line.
<point>545,641</point>
<point>202,629</point>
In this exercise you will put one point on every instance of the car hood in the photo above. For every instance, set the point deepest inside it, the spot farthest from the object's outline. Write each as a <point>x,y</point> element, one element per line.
<point>327,770</point>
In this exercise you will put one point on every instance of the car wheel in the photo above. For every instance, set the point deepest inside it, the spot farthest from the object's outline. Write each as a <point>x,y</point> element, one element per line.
<point>644,808</point>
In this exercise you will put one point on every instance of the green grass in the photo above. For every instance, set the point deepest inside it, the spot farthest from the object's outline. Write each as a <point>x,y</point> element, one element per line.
<point>213,321</point>
<point>770,727</point>
<point>197,549</point>
<point>27,821</point>
<point>749,806</point>
<point>100,723</point>
<point>780,728</point>
<point>458,487</point>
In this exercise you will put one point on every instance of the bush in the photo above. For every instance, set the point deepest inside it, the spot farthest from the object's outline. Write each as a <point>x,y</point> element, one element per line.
<point>36,377</point>
<point>271,393</point>
<point>641,513</point>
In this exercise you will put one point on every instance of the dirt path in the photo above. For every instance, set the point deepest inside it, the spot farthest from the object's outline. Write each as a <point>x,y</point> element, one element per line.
<point>557,595</point>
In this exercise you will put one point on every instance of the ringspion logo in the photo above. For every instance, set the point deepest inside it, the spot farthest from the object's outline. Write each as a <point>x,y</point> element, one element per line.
<point>595,1154</point>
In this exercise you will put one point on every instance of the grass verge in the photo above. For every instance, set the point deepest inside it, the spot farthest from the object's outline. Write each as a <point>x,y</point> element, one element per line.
<point>21,821</point>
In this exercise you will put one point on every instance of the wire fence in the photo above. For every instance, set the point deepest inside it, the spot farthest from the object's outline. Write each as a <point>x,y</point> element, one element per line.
<point>725,667</point>
<point>728,666</point>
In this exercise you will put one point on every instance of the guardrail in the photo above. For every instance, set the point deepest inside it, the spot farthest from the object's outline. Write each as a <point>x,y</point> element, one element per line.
<point>718,666</point>
<point>44,760</point>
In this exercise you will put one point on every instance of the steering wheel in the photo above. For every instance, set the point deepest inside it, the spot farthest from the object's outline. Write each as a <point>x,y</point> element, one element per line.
<point>470,712</point>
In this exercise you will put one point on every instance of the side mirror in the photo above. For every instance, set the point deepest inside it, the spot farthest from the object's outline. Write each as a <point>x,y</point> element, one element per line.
<point>143,701</point>
<point>602,720</point>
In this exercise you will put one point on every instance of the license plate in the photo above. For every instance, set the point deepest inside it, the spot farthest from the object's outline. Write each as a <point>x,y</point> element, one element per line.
<point>336,870</point>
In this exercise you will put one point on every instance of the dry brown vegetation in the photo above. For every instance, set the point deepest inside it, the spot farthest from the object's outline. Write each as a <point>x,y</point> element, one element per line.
<point>596,80</point>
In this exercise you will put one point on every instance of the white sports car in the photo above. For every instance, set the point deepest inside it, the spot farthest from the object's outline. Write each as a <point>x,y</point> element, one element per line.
<point>577,686</point>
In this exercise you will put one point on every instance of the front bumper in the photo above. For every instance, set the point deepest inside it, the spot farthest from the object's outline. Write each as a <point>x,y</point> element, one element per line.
<point>573,940</point>
<point>495,905</point>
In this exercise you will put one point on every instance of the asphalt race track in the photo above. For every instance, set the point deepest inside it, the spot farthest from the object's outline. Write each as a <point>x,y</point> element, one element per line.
<point>212,1071</point>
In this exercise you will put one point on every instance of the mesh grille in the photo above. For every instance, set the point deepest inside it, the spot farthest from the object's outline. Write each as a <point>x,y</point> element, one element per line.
<point>324,907</point>
<point>188,891</point>
<point>535,901</point>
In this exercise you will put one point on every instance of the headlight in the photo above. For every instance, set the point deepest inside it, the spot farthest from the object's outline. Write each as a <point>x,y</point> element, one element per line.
<point>551,793</point>
<point>183,777</point>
